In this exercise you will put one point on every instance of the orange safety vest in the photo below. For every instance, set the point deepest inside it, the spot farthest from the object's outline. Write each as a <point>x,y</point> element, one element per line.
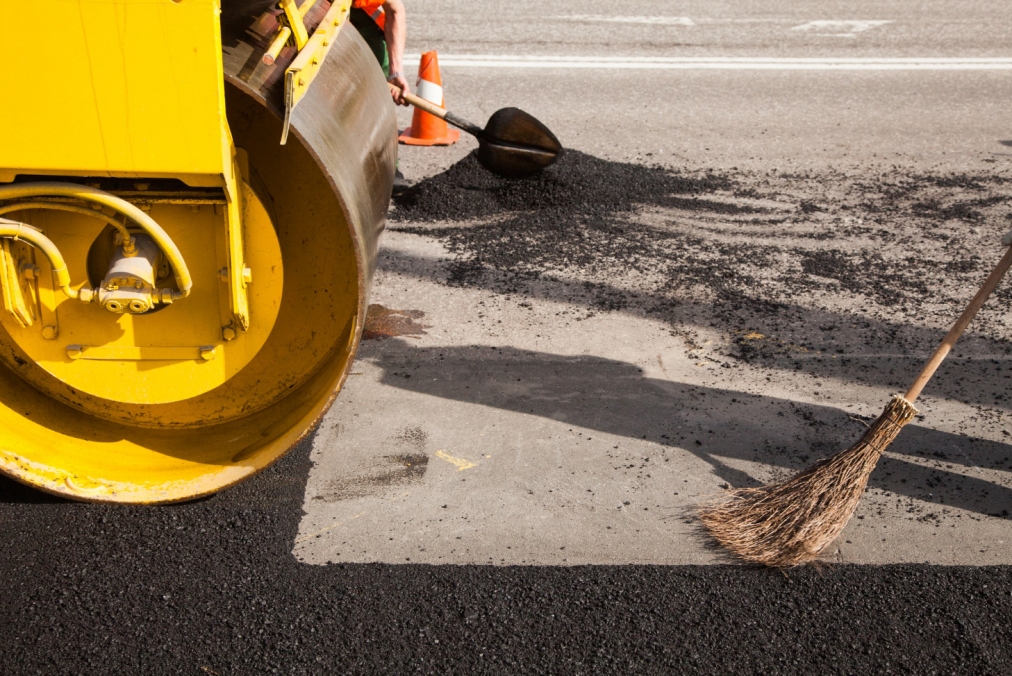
<point>374,8</point>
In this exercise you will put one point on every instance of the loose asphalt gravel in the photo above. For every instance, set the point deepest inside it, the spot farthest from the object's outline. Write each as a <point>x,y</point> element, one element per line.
<point>773,260</point>
<point>211,587</point>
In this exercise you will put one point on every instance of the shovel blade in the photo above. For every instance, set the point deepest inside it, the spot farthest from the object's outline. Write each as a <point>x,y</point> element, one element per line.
<point>513,161</point>
<point>512,126</point>
<point>516,144</point>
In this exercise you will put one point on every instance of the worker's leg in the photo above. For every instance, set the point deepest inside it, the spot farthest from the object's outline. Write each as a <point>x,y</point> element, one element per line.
<point>373,37</point>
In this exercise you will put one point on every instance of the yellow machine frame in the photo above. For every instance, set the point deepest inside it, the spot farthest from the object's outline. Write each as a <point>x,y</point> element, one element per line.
<point>121,137</point>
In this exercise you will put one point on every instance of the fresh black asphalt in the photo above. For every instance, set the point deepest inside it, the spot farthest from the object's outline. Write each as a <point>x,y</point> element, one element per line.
<point>211,587</point>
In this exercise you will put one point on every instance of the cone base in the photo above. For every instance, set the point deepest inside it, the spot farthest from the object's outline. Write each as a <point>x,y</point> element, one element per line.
<point>452,136</point>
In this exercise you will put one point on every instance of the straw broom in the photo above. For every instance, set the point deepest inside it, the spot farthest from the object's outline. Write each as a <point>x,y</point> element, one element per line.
<point>790,523</point>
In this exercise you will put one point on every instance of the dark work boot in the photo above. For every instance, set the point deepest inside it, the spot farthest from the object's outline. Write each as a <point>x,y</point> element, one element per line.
<point>401,184</point>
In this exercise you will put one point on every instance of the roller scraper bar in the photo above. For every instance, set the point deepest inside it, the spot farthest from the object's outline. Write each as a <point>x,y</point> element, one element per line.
<point>303,70</point>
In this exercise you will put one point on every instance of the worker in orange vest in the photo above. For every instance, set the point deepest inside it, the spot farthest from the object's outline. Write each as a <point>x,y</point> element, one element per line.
<point>383,24</point>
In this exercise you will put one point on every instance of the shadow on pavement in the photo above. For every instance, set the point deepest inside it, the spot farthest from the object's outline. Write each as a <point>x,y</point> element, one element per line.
<point>750,254</point>
<point>716,425</point>
<point>212,587</point>
<point>14,492</point>
<point>985,380</point>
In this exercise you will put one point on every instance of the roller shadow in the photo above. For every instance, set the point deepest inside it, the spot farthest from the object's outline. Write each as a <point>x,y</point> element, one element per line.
<point>13,492</point>
<point>716,425</point>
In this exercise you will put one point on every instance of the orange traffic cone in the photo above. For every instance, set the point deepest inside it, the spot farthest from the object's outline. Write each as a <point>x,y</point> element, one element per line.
<point>426,129</point>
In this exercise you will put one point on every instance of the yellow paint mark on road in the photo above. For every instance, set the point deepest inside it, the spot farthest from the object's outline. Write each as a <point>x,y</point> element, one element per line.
<point>339,523</point>
<point>460,463</point>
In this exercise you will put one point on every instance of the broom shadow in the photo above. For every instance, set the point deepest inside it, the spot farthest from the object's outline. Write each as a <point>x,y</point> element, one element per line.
<point>721,427</point>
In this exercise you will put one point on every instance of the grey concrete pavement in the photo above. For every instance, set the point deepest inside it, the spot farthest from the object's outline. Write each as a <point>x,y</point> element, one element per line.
<point>766,120</point>
<point>740,118</point>
<point>506,435</point>
<point>702,27</point>
<point>525,428</point>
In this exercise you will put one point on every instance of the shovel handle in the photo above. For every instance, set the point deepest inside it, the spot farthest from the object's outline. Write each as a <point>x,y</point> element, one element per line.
<point>957,329</point>
<point>440,112</point>
<point>420,103</point>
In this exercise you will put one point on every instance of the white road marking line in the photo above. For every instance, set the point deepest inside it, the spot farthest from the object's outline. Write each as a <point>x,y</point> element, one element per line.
<point>751,20</point>
<point>839,28</point>
<point>607,18</point>
<point>714,63</point>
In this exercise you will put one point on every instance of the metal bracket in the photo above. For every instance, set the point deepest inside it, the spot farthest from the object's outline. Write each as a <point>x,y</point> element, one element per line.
<point>293,24</point>
<point>295,18</point>
<point>132,353</point>
<point>18,291</point>
<point>300,74</point>
<point>239,275</point>
<point>47,297</point>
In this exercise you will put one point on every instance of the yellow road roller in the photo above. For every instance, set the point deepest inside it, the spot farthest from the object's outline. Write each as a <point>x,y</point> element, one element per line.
<point>191,193</point>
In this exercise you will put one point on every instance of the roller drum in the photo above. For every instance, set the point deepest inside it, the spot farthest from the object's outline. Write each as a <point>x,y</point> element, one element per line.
<point>315,208</point>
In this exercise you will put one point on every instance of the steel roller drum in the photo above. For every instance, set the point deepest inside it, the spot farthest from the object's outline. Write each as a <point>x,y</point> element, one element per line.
<point>346,121</point>
<point>326,193</point>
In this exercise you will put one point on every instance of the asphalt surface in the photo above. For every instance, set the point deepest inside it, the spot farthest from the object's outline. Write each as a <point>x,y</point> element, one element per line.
<point>212,588</point>
<point>229,585</point>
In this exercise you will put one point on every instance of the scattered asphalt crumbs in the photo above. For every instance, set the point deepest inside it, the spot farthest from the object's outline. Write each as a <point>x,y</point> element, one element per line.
<point>797,271</point>
<point>751,245</point>
<point>211,587</point>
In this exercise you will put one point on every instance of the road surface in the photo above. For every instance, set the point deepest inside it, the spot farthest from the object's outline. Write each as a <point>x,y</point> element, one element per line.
<point>772,212</point>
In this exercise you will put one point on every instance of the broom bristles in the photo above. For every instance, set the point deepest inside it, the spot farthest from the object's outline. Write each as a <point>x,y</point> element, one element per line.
<point>790,523</point>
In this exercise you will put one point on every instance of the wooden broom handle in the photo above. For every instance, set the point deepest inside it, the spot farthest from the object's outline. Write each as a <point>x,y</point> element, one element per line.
<point>957,329</point>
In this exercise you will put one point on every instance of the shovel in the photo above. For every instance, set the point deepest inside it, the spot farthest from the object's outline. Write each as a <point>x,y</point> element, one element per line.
<point>513,144</point>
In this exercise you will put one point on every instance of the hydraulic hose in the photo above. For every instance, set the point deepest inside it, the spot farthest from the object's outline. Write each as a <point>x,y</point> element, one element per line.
<point>21,191</point>
<point>58,206</point>
<point>29,234</point>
